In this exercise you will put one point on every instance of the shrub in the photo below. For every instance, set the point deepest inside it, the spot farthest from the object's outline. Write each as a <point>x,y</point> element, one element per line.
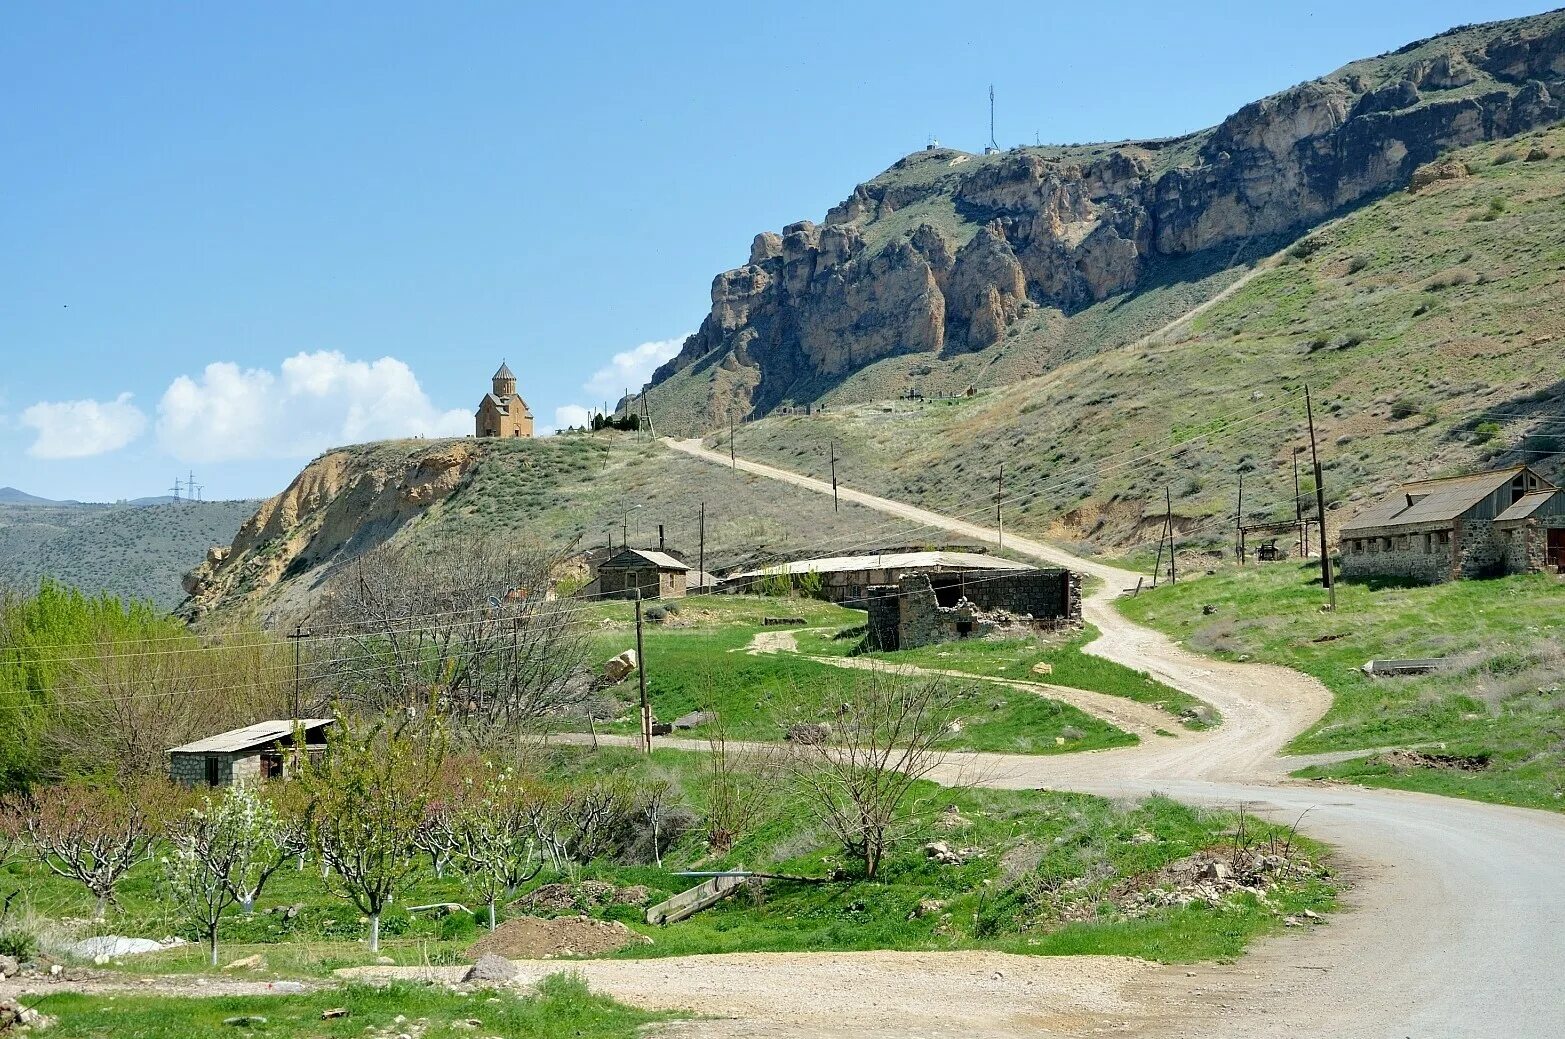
<point>21,945</point>
<point>1485,432</point>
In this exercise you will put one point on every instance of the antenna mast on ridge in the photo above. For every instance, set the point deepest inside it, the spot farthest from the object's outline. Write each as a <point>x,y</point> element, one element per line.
<point>994,145</point>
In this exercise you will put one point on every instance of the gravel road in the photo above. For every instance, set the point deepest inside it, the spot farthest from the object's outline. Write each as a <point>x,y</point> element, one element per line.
<point>1454,926</point>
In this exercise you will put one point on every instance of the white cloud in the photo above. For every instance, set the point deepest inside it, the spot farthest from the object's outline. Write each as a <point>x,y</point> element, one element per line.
<point>316,401</point>
<point>631,368</point>
<point>570,415</point>
<point>82,428</point>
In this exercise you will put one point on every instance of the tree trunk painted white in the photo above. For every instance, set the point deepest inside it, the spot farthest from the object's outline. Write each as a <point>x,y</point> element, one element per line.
<point>374,932</point>
<point>212,945</point>
<point>101,910</point>
<point>247,903</point>
<point>491,915</point>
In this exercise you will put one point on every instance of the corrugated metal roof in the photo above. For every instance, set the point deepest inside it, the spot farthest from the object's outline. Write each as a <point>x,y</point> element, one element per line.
<point>890,561</point>
<point>251,736</point>
<point>661,560</point>
<point>1431,501</point>
<point>1526,505</point>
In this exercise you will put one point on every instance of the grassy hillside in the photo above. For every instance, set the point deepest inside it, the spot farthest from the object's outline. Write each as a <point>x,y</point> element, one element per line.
<point>135,552</point>
<point>1427,325</point>
<point>1490,726</point>
<point>565,492</point>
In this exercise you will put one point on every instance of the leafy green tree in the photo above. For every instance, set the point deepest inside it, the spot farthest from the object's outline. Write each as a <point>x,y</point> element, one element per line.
<point>368,796</point>
<point>223,853</point>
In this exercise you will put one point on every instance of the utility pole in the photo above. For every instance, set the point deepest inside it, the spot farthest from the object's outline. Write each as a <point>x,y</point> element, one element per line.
<point>298,636</point>
<point>701,556</point>
<point>1239,522</point>
<point>833,476</point>
<point>1168,515</point>
<point>1298,507</point>
<point>641,675</point>
<point>999,496</point>
<point>1157,567</point>
<point>731,463</point>
<point>175,489</point>
<point>1320,505</point>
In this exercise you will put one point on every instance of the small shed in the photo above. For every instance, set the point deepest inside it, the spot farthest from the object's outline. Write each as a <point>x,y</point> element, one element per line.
<point>256,752</point>
<point>656,575</point>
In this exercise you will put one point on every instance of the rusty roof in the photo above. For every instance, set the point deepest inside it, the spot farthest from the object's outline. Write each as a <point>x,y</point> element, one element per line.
<point>1432,501</point>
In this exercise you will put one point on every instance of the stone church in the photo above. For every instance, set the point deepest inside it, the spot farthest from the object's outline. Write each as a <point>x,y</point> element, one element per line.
<point>502,413</point>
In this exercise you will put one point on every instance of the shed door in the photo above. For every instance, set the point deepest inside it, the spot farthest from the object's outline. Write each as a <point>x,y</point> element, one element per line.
<point>211,771</point>
<point>1557,548</point>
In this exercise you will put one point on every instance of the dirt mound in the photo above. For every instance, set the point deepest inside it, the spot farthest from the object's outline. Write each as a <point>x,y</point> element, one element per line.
<point>1402,760</point>
<point>533,938</point>
<point>581,898</point>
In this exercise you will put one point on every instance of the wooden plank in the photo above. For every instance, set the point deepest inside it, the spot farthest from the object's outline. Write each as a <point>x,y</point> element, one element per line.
<point>688,903</point>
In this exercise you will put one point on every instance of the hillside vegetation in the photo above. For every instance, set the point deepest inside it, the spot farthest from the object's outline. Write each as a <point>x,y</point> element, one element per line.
<point>1487,726</point>
<point>567,492</point>
<point>1427,325</point>
<point>951,269</point>
<point>133,551</point>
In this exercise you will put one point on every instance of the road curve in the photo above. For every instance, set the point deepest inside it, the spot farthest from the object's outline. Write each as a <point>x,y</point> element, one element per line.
<point>1454,926</point>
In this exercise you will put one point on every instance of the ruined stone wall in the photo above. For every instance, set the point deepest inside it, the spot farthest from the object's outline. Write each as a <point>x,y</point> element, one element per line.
<point>1040,594</point>
<point>1481,550</point>
<point>908,614</point>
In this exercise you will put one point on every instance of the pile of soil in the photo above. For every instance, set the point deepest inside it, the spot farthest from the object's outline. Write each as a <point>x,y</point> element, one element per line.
<point>583,897</point>
<point>534,938</point>
<point>1402,760</point>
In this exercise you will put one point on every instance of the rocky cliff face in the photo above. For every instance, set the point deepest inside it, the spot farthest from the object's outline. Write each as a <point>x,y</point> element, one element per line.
<point>942,252</point>
<point>340,505</point>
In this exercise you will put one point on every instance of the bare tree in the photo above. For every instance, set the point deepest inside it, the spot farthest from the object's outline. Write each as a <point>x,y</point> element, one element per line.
<point>739,787</point>
<point>368,797</point>
<point>94,834</point>
<point>15,810</point>
<point>578,822</point>
<point>469,626</point>
<point>121,706</point>
<point>859,776</point>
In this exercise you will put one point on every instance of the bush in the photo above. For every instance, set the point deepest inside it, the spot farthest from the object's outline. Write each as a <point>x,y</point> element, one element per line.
<point>1485,432</point>
<point>18,944</point>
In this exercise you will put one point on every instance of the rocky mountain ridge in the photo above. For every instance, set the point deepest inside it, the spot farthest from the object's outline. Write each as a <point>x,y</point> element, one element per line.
<point>945,252</point>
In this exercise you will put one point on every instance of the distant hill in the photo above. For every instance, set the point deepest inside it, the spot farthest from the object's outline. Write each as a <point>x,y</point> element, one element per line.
<point>134,550</point>
<point>951,270</point>
<point>1428,325</point>
<point>12,496</point>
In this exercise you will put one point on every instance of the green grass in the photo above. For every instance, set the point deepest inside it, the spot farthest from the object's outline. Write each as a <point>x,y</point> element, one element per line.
<point>1015,657</point>
<point>1026,842</point>
<point>696,660</point>
<point>562,1007</point>
<point>1501,698</point>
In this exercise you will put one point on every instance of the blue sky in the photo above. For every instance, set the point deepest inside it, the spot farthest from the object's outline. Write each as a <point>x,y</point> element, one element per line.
<point>234,234</point>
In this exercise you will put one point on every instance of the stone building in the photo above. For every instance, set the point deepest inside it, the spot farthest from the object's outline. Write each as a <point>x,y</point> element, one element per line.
<point>657,575</point>
<point>1506,521</point>
<point>917,611</point>
<point>502,413</point>
<point>265,750</point>
<point>849,579</point>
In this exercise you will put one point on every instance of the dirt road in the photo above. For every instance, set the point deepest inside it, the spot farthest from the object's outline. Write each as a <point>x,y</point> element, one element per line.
<point>1455,925</point>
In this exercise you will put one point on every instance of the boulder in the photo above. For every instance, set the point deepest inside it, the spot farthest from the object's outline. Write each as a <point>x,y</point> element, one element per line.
<point>618,667</point>
<point>9,966</point>
<point>491,969</point>
<point>694,719</point>
<point>1433,172</point>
